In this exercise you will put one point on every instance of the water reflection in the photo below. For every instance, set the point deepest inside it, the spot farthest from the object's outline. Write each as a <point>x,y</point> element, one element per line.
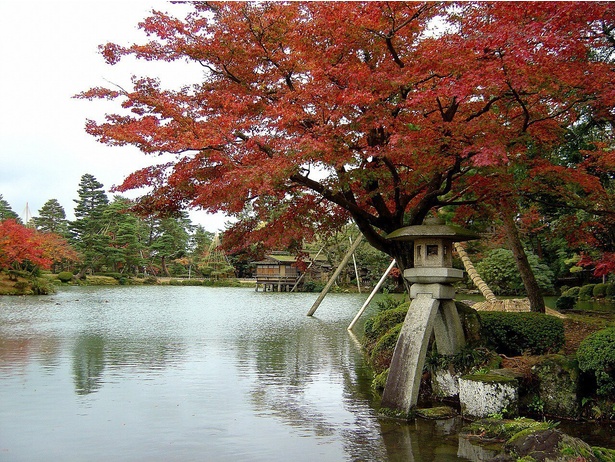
<point>181,373</point>
<point>92,353</point>
<point>88,363</point>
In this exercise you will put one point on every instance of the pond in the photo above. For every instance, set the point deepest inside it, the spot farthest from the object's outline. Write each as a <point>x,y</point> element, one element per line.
<point>163,373</point>
<point>194,373</point>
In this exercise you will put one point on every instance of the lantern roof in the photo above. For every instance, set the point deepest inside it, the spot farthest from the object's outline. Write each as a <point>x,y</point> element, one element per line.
<point>434,228</point>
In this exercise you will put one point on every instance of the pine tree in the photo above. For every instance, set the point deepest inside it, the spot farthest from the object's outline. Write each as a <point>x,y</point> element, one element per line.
<point>6,212</point>
<point>88,231</point>
<point>52,218</point>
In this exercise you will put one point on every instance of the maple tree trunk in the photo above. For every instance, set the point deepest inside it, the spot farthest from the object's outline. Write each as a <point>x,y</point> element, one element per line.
<point>537,303</point>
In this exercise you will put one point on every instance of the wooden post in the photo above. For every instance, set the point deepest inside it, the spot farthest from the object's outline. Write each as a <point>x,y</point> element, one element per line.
<point>335,275</point>
<point>369,299</point>
<point>309,266</point>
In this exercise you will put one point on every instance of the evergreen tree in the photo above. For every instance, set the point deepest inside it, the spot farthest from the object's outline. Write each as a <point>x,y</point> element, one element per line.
<point>52,218</point>
<point>169,239</point>
<point>88,231</point>
<point>6,212</point>
<point>127,236</point>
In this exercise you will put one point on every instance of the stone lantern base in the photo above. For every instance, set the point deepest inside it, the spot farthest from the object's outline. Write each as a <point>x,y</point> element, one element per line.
<point>432,310</point>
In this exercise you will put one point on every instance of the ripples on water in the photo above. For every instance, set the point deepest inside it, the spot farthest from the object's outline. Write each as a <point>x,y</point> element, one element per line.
<point>193,373</point>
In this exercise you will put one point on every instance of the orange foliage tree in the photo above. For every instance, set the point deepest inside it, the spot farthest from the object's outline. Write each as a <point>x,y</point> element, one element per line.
<point>311,113</point>
<point>21,247</point>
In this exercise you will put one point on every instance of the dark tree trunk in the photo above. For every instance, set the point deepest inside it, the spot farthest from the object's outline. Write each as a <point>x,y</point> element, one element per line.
<point>537,303</point>
<point>164,268</point>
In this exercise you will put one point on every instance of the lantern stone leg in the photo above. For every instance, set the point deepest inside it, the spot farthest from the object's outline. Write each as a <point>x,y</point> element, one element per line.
<point>404,380</point>
<point>432,310</point>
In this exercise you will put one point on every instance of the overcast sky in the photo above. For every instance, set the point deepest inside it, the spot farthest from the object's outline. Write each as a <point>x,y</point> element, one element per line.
<point>48,53</point>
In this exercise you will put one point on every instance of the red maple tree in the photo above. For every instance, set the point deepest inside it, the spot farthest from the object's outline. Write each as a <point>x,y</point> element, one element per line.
<point>311,113</point>
<point>21,247</point>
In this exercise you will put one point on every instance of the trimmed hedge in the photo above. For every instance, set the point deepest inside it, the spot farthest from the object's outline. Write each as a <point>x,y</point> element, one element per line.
<point>65,276</point>
<point>514,334</point>
<point>572,292</point>
<point>599,291</point>
<point>565,302</point>
<point>586,292</point>
<point>596,355</point>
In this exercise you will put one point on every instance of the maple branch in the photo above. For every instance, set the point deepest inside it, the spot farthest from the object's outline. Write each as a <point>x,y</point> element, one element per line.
<point>335,197</point>
<point>396,181</point>
<point>450,112</point>
<point>561,111</point>
<point>266,149</point>
<point>485,108</point>
<point>391,48</point>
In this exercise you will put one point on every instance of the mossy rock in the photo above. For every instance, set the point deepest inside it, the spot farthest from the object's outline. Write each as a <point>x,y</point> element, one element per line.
<point>436,413</point>
<point>549,444</point>
<point>501,429</point>
<point>558,385</point>
<point>470,320</point>
<point>490,377</point>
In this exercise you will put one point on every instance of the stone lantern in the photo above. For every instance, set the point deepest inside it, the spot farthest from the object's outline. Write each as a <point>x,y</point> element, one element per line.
<point>432,308</point>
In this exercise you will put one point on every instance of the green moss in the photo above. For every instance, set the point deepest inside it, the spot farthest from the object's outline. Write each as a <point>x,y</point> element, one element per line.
<point>436,413</point>
<point>489,377</point>
<point>503,429</point>
<point>528,430</point>
<point>396,414</point>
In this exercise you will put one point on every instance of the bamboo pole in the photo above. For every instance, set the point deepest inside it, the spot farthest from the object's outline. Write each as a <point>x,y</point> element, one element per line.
<point>309,266</point>
<point>356,272</point>
<point>335,275</point>
<point>476,279</point>
<point>369,299</point>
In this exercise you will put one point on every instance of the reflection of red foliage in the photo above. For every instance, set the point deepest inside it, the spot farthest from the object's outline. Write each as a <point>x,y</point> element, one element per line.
<point>603,266</point>
<point>19,245</point>
<point>395,273</point>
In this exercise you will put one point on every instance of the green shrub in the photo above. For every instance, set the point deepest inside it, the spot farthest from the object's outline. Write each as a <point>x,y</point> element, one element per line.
<point>22,287</point>
<point>565,302</point>
<point>380,380</point>
<point>388,302</point>
<point>42,286</point>
<point>572,292</point>
<point>501,274</point>
<point>599,291</point>
<point>513,334</point>
<point>381,323</point>
<point>382,353</point>
<point>65,276</point>
<point>586,292</point>
<point>596,355</point>
<point>610,290</point>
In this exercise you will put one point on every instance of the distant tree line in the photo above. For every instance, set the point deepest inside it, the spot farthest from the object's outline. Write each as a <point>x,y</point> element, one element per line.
<point>107,236</point>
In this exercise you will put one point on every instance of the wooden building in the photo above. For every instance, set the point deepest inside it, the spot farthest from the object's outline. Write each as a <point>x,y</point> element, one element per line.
<point>279,272</point>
